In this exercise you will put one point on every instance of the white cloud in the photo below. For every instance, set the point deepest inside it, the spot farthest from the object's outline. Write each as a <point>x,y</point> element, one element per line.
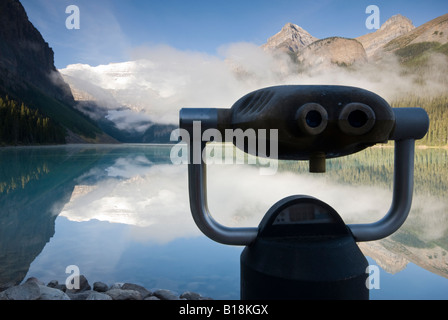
<point>154,199</point>
<point>161,80</point>
<point>129,120</point>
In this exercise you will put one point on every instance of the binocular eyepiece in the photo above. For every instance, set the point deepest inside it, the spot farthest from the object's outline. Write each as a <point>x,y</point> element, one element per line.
<point>354,119</point>
<point>313,123</point>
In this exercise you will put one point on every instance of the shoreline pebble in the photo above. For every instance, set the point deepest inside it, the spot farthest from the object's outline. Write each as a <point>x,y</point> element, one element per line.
<point>33,289</point>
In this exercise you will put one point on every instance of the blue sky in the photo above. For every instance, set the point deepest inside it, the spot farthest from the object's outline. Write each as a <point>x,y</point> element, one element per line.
<point>110,30</point>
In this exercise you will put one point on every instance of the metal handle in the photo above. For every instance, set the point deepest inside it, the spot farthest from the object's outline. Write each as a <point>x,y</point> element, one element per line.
<point>197,183</point>
<point>401,200</point>
<point>397,215</point>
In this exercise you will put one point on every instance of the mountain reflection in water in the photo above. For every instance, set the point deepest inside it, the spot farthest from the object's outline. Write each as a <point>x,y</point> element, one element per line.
<point>121,213</point>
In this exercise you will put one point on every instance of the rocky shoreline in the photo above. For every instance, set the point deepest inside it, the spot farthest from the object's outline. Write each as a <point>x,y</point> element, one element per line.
<point>33,289</point>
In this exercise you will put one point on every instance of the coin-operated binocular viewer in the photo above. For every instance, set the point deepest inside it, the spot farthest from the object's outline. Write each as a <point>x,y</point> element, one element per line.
<point>302,249</point>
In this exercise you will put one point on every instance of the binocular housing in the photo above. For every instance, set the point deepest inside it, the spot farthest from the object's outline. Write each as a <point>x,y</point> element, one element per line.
<point>313,122</point>
<point>302,249</point>
<point>309,123</point>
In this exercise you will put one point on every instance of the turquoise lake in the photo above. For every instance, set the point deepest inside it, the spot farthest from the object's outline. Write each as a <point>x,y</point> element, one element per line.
<point>121,214</point>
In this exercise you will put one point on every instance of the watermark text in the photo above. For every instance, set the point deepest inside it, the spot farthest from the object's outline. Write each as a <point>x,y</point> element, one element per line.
<point>73,21</point>
<point>72,281</point>
<point>373,21</point>
<point>373,278</point>
<point>251,141</point>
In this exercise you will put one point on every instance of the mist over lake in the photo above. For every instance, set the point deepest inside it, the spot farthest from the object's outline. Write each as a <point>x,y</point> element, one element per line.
<point>121,214</point>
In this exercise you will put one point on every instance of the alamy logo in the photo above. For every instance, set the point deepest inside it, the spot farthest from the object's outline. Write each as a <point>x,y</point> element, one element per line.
<point>73,21</point>
<point>72,281</point>
<point>373,21</point>
<point>257,143</point>
<point>373,278</point>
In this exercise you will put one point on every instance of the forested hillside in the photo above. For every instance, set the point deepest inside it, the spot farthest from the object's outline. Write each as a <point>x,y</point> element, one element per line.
<point>437,109</point>
<point>20,125</point>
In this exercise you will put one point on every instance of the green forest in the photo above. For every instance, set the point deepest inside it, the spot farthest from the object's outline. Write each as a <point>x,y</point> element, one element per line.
<point>21,125</point>
<point>437,109</point>
<point>375,166</point>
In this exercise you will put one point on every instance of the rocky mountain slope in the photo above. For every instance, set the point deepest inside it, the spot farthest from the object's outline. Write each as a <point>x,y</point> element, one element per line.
<point>435,30</point>
<point>394,27</point>
<point>25,56</point>
<point>397,33</point>
<point>28,75</point>
<point>336,50</point>
<point>291,38</point>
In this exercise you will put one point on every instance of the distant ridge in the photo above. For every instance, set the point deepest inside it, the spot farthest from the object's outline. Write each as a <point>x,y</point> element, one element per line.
<point>291,38</point>
<point>435,30</point>
<point>394,27</point>
<point>396,33</point>
<point>334,50</point>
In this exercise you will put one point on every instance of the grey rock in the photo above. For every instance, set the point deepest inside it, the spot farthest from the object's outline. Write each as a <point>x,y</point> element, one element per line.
<point>190,296</point>
<point>61,287</point>
<point>56,285</point>
<point>164,294</point>
<point>98,296</point>
<point>193,296</point>
<point>100,286</point>
<point>83,285</point>
<point>26,291</point>
<point>33,289</point>
<point>116,285</point>
<point>79,295</point>
<point>47,293</point>
<point>120,294</point>
<point>53,284</point>
<point>34,280</point>
<point>131,286</point>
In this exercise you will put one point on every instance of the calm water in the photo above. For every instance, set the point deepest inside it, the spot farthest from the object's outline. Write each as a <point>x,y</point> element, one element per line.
<point>121,214</point>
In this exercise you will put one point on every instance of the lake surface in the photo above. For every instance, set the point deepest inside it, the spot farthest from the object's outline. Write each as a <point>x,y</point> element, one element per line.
<point>121,214</point>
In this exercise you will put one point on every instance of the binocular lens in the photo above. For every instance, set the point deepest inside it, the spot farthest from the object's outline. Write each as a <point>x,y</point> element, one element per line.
<point>312,118</point>
<point>356,119</point>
